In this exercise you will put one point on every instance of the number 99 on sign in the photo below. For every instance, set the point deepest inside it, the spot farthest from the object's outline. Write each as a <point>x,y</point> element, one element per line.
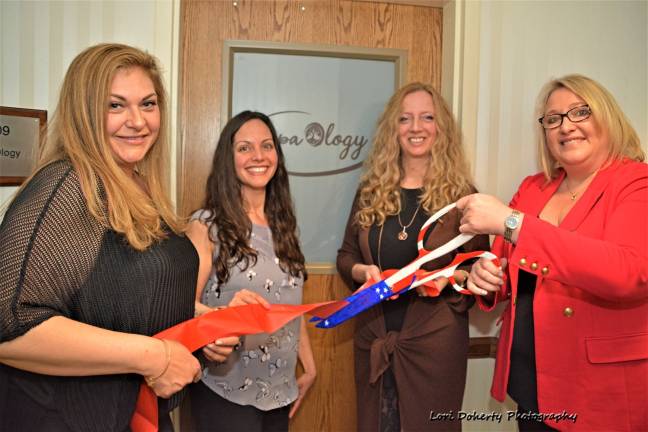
<point>4,130</point>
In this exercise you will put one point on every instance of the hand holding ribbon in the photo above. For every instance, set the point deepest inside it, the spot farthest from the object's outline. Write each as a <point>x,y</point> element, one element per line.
<point>198,332</point>
<point>396,282</point>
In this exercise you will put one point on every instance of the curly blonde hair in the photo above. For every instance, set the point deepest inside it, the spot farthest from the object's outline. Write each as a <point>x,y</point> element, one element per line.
<point>623,139</point>
<point>448,175</point>
<point>78,133</point>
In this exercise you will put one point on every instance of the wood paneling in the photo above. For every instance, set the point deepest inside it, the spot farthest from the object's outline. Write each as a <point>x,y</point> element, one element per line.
<point>330,404</point>
<point>482,347</point>
<point>428,3</point>
<point>205,25</point>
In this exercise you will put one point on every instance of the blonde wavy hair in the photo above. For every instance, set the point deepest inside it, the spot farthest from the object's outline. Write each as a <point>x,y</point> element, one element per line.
<point>77,133</point>
<point>448,175</point>
<point>607,115</point>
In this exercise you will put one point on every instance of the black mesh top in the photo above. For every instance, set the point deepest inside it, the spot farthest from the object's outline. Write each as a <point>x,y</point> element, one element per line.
<point>56,259</point>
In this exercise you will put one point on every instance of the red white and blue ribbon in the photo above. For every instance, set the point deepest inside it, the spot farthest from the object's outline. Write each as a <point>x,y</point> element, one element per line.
<point>395,282</point>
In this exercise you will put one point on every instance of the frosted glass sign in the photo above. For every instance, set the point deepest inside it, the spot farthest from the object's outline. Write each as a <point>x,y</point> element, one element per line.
<point>325,110</point>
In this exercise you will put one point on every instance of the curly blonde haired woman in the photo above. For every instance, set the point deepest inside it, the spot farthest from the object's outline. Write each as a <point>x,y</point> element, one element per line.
<point>410,352</point>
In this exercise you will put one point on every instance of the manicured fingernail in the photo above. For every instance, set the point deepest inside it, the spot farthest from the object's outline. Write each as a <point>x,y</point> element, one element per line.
<point>219,342</point>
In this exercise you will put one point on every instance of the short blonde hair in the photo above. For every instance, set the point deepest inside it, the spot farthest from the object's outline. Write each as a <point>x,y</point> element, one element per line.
<point>623,139</point>
<point>78,133</point>
<point>448,175</point>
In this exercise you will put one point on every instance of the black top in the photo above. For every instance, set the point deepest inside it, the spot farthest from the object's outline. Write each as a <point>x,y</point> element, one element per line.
<point>57,260</point>
<point>396,254</point>
<point>522,384</point>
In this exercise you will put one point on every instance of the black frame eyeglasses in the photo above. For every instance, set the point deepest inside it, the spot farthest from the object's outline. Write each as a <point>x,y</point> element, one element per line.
<point>575,115</point>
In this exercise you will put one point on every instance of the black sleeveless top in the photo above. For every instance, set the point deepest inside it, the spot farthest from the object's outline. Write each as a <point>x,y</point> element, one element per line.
<point>393,253</point>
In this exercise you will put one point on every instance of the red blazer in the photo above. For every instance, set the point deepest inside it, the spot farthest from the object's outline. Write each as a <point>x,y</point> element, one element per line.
<point>590,307</point>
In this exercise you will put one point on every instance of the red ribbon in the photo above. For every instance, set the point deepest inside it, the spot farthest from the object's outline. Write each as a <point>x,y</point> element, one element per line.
<point>198,332</point>
<point>251,319</point>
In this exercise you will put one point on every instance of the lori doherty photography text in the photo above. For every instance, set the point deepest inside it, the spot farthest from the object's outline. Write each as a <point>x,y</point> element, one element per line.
<point>496,416</point>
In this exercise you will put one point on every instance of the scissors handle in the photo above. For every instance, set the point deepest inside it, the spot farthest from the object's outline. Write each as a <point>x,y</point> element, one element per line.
<point>397,281</point>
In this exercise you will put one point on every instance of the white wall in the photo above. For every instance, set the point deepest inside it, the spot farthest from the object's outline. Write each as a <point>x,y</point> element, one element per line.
<point>39,39</point>
<point>523,44</point>
<point>504,51</point>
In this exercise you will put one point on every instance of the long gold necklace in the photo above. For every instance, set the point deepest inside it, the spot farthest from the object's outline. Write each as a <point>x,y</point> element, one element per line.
<point>402,234</point>
<point>380,246</point>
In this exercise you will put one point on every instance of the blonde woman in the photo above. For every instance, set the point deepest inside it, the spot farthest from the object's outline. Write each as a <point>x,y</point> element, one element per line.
<point>411,352</point>
<point>574,336</point>
<point>93,262</point>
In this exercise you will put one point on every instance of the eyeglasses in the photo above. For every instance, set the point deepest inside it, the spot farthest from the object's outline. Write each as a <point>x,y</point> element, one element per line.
<point>575,115</point>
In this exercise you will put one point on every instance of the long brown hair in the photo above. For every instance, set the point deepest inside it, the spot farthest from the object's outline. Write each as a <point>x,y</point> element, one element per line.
<point>224,205</point>
<point>447,178</point>
<point>78,133</point>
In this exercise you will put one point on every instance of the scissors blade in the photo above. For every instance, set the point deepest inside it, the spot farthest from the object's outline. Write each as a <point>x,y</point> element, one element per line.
<point>429,256</point>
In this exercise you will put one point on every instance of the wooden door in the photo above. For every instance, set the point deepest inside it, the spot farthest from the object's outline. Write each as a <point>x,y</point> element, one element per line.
<point>330,405</point>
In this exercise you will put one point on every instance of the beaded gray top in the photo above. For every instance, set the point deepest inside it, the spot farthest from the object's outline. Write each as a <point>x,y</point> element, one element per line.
<point>261,372</point>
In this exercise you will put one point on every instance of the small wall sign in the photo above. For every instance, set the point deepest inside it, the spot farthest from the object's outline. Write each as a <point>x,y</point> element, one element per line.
<point>22,132</point>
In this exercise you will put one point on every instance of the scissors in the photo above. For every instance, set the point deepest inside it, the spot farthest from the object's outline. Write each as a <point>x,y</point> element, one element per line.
<point>409,277</point>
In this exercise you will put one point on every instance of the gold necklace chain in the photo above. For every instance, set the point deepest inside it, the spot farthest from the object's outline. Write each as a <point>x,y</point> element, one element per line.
<point>574,194</point>
<point>402,235</point>
<point>380,246</point>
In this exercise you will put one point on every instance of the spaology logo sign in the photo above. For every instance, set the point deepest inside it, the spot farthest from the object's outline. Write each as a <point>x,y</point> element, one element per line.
<point>318,147</point>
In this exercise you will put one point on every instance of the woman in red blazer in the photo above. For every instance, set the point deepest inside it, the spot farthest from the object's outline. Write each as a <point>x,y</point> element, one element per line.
<point>573,347</point>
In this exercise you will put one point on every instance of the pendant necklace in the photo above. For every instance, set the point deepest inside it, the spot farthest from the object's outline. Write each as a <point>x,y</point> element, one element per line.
<point>573,195</point>
<point>402,235</point>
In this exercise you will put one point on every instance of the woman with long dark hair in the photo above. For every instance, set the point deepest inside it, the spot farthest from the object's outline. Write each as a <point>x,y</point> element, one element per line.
<point>246,236</point>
